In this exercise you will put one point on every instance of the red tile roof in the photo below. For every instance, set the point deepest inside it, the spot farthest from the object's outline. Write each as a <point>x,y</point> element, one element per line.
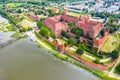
<point>55,25</point>
<point>34,17</point>
<point>88,26</point>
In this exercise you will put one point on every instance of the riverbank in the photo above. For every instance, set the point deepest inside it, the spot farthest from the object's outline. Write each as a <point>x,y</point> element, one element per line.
<point>6,42</point>
<point>42,43</point>
<point>7,38</point>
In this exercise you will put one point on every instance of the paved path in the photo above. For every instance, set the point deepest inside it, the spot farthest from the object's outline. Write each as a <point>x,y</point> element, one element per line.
<point>36,39</point>
<point>102,60</point>
<point>105,60</point>
<point>112,71</point>
<point>89,56</point>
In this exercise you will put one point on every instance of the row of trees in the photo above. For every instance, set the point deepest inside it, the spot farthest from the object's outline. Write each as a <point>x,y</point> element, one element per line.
<point>104,14</point>
<point>12,19</point>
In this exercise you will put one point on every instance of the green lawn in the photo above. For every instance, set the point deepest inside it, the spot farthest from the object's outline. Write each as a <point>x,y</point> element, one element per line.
<point>119,34</point>
<point>108,62</point>
<point>74,14</point>
<point>71,51</point>
<point>13,5</point>
<point>62,41</point>
<point>25,17</point>
<point>111,44</point>
<point>5,27</point>
<point>87,58</point>
<point>18,35</point>
<point>45,42</point>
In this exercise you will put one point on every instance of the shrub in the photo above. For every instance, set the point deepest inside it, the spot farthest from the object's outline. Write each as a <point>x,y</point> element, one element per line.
<point>114,54</point>
<point>53,36</point>
<point>80,51</point>
<point>45,32</point>
<point>97,61</point>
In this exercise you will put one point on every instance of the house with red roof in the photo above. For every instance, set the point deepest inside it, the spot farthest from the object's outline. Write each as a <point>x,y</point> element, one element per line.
<point>33,17</point>
<point>88,26</point>
<point>68,18</point>
<point>93,28</point>
<point>55,25</point>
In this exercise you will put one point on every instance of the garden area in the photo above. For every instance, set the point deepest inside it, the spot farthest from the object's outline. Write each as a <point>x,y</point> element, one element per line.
<point>112,42</point>
<point>5,27</point>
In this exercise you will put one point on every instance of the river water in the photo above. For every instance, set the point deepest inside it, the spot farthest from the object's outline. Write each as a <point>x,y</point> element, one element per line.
<point>24,60</point>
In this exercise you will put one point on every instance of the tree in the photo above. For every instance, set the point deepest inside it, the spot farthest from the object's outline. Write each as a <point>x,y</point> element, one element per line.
<point>80,51</point>
<point>19,11</point>
<point>103,31</point>
<point>87,35</point>
<point>23,30</point>
<point>111,29</point>
<point>64,33</point>
<point>71,41</point>
<point>117,69</point>
<point>50,12</point>
<point>97,61</point>
<point>45,32</point>
<point>39,24</point>
<point>53,36</point>
<point>39,12</point>
<point>114,54</point>
<point>73,30</point>
<point>77,31</point>
<point>71,24</point>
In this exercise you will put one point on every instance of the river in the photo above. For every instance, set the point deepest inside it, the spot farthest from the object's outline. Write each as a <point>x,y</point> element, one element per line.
<point>24,60</point>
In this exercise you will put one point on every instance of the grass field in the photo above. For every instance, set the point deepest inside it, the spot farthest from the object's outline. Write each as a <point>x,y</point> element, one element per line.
<point>111,44</point>
<point>87,58</point>
<point>13,5</point>
<point>74,14</point>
